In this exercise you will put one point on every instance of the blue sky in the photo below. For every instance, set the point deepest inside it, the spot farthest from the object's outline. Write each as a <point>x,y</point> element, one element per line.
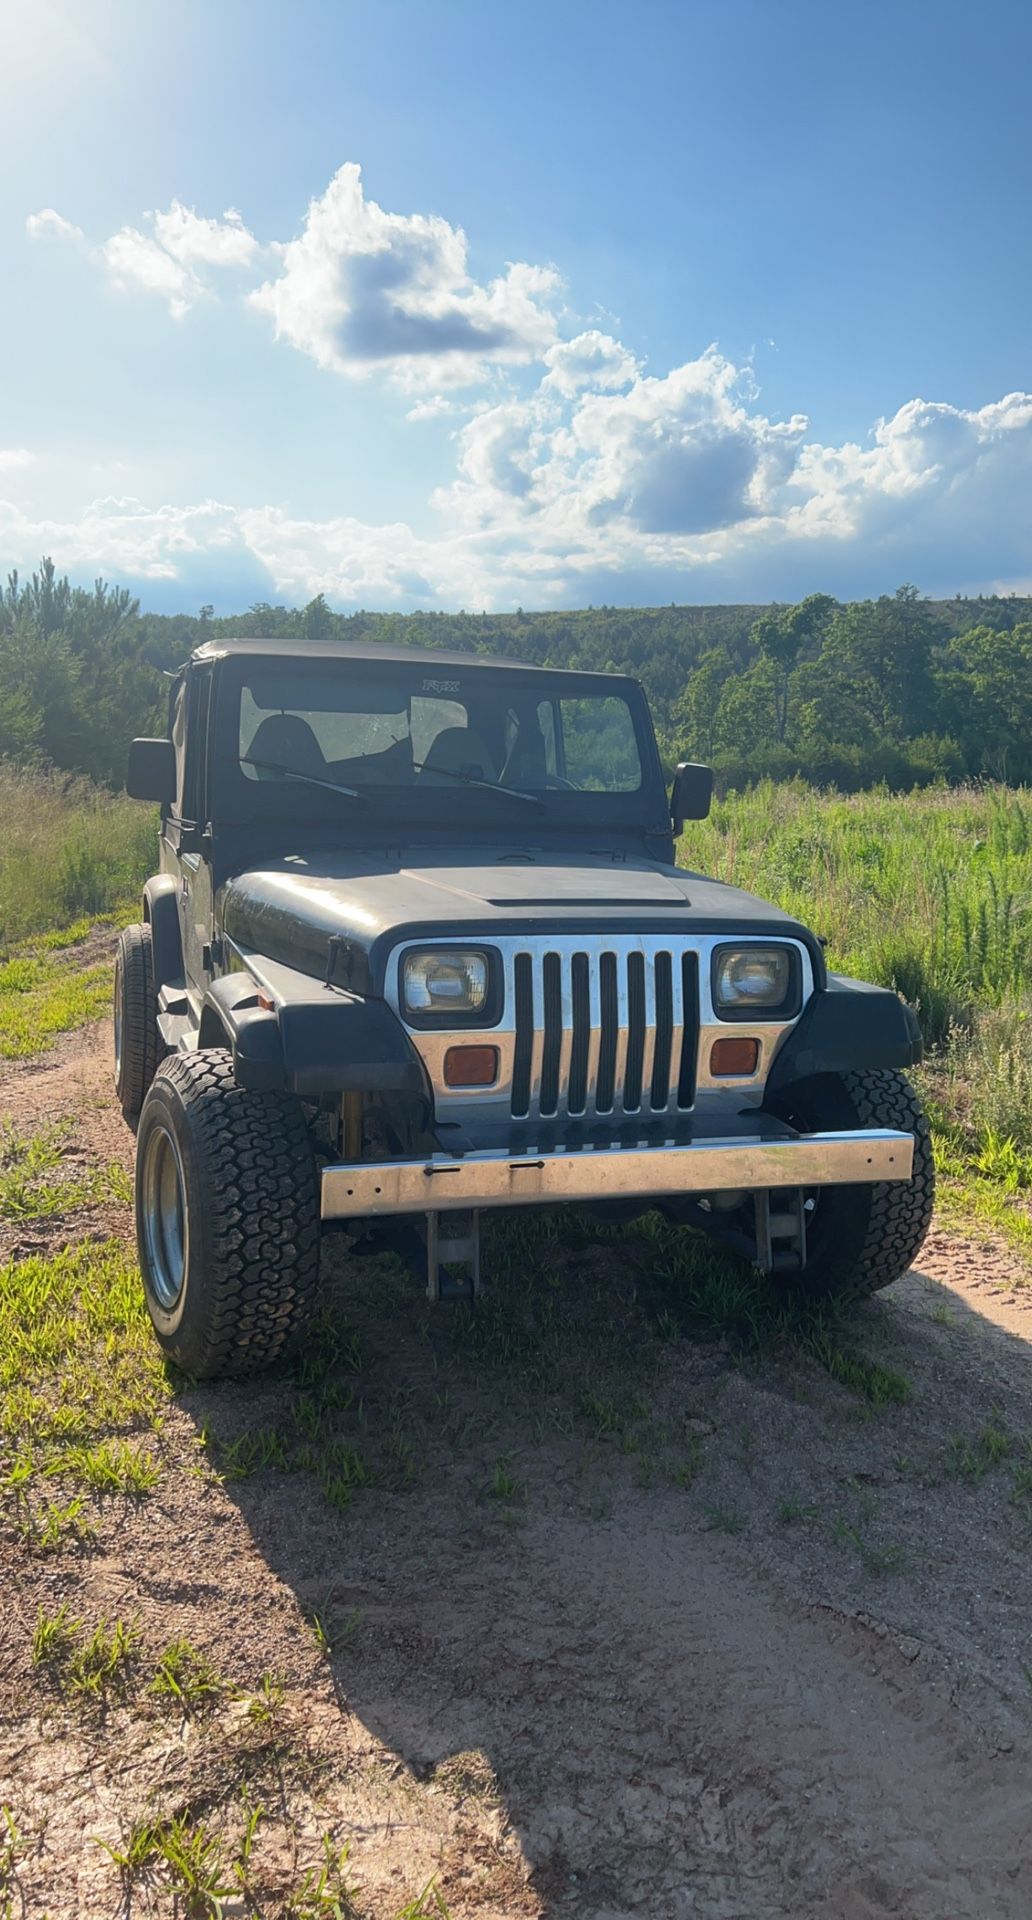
<point>449,304</point>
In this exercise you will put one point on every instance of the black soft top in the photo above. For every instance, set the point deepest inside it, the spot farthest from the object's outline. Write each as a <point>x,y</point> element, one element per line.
<point>355,650</point>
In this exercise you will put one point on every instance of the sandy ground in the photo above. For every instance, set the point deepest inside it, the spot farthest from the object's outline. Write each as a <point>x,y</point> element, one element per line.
<point>799,1686</point>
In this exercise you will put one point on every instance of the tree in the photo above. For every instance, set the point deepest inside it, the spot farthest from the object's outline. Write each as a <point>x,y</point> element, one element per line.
<point>780,636</point>
<point>317,619</point>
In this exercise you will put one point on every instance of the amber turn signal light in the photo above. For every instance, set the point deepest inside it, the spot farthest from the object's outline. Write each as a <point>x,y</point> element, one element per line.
<point>471,1066</point>
<point>733,1055</point>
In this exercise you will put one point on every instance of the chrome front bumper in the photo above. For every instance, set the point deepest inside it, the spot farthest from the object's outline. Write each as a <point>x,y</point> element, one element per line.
<point>501,1179</point>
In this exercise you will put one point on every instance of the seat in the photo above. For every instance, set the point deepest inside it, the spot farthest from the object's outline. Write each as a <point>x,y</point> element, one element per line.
<point>285,740</point>
<point>527,765</point>
<point>460,751</point>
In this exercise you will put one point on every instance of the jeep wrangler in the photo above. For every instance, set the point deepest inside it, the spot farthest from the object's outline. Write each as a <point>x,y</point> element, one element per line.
<point>418,947</point>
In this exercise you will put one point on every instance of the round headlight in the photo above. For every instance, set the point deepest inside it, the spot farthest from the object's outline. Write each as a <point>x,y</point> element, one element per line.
<point>444,982</point>
<point>752,977</point>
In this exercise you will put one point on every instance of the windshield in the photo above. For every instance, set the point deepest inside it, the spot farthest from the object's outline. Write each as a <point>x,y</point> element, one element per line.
<point>359,728</point>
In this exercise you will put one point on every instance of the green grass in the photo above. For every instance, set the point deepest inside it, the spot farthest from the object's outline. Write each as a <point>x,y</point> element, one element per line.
<point>81,1385</point>
<point>42,996</point>
<point>931,893</point>
<point>187,1677</point>
<point>34,1184</point>
<point>69,851</point>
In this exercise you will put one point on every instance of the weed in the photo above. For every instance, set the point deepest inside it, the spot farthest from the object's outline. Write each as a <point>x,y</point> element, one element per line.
<point>188,1677</point>
<point>685,1472</point>
<point>428,1905</point>
<point>724,1519</point>
<point>99,1666</point>
<point>972,1456</point>
<point>51,1526</point>
<point>504,1485</point>
<point>855,1533</point>
<point>265,1704</point>
<point>251,1452</point>
<point>193,1859</point>
<point>54,1637</point>
<point>10,1848</point>
<point>326,1893</point>
<point>112,1466</point>
<point>792,1509</point>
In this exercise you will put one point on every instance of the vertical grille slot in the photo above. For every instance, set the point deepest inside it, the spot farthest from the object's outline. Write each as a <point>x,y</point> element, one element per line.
<point>635,1031</point>
<point>523,1006</point>
<point>660,1092</point>
<point>580,995</point>
<point>552,996</point>
<point>609,1007</point>
<point>690,1033</point>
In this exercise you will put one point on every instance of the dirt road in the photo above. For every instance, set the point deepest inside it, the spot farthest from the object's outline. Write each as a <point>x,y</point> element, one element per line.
<point>733,1642</point>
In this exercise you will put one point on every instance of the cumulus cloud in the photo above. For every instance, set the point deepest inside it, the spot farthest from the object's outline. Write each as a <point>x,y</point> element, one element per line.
<point>591,359</point>
<point>168,259</point>
<point>14,459</point>
<point>938,495</point>
<point>577,474</point>
<point>48,221</point>
<point>197,241</point>
<point>362,290</point>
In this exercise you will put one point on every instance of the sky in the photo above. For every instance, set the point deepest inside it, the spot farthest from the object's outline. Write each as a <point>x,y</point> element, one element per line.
<point>449,304</point>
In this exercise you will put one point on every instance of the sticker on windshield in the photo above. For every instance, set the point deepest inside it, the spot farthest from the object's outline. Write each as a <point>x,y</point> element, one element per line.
<point>440,686</point>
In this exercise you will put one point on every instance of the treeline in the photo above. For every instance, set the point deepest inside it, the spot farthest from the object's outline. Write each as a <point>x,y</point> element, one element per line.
<point>900,689</point>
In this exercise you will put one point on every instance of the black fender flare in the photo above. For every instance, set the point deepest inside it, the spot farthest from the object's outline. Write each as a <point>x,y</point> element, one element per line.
<point>338,1045</point>
<point>161,912</point>
<point>845,1027</point>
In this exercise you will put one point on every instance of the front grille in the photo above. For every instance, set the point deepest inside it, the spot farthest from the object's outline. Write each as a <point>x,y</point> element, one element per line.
<point>604,1033</point>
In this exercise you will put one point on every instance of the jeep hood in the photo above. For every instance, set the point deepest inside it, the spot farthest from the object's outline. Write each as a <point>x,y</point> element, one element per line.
<point>294,910</point>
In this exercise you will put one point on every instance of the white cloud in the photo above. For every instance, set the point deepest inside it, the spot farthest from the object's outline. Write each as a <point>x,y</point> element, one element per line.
<point>14,459</point>
<point>591,359</point>
<point>938,495</point>
<point>362,290</point>
<point>576,476</point>
<point>166,260</point>
<point>48,221</point>
<point>134,259</point>
<point>197,241</point>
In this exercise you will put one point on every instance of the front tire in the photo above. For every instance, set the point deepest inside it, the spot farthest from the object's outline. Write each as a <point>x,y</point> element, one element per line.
<point>862,1238</point>
<point>137,1041</point>
<point>227,1217</point>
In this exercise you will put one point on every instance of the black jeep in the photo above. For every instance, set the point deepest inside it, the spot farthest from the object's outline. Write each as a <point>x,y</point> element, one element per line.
<point>418,947</point>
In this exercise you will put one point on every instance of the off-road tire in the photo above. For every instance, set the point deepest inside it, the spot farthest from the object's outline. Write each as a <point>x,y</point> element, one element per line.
<point>250,1211</point>
<point>862,1238</point>
<point>137,1041</point>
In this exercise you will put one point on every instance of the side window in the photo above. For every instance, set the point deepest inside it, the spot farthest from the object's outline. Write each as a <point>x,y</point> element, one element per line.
<point>194,786</point>
<point>178,732</point>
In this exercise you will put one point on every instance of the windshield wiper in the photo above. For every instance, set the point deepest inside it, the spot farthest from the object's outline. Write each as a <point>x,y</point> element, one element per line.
<point>307,779</point>
<point>469,780</point>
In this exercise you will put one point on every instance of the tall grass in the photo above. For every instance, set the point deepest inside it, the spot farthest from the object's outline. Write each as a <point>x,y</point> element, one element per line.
<point>68,849</point>
<point>929,893</point>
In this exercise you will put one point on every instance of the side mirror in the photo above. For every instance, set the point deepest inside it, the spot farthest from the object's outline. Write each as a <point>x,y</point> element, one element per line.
<point>690,794</point>
<point>151,774</point>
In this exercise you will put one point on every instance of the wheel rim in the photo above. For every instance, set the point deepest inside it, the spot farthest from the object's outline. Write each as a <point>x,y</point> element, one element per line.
<point>165,1225</point>
<point>118,1019</point>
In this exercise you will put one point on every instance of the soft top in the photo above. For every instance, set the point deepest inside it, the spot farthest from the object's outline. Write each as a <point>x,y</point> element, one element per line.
<point>302,649</point>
